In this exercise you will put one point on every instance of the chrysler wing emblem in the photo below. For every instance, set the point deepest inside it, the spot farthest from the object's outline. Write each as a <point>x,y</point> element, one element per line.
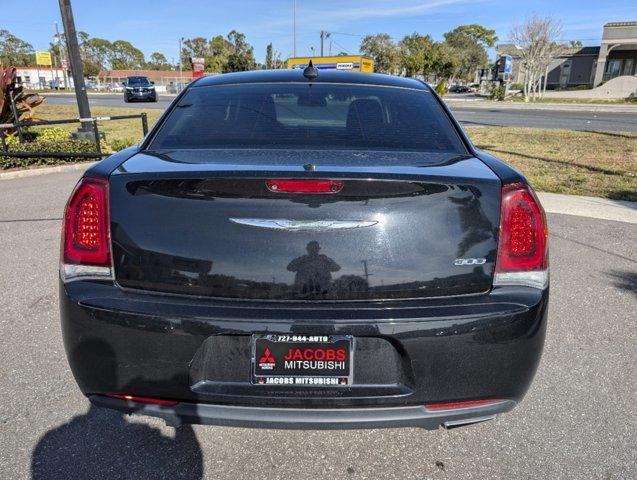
<point>303,225</point>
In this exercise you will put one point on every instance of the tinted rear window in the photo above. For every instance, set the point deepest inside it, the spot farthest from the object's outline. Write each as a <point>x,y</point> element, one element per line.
<point>302,115</point>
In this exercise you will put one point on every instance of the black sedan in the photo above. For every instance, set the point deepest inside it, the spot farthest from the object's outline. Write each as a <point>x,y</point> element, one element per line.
<point>139,89</point>
<point>303,249</point>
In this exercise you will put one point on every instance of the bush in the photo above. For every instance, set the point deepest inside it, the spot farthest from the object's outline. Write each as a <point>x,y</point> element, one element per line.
<point>497,93</point>
<point>53,134</point>
<point>516,86</point>
<point>441,88</point>
<point>53,146</point>
<point>120,144</point>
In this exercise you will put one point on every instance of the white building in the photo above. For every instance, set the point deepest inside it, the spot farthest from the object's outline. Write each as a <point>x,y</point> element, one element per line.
<point>41,77</point>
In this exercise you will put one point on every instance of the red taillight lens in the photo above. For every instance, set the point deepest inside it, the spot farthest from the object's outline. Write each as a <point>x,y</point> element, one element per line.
<point>456,405</point>
<point>523,243</point>
<point>86,225</point>
<point>136,398</point>
<point>304,186</point>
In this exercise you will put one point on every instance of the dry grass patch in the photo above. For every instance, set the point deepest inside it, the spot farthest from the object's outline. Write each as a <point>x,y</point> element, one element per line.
<point>115,130</point>
<point>598,164</point>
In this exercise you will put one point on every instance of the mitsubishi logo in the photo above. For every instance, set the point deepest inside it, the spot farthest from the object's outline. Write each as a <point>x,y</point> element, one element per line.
<point>267,360</point>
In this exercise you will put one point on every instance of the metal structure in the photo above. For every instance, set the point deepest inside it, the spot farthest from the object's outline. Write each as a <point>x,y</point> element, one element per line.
<point>92,121</point>
<point>76,62</point>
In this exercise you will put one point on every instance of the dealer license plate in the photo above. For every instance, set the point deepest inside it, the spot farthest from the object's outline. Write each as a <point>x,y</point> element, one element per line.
<point>302,360</point>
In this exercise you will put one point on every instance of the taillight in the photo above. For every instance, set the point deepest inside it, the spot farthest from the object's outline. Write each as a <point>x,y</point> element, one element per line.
<point>304,186</point>
<point>86,245</point>
<point>523,243</point>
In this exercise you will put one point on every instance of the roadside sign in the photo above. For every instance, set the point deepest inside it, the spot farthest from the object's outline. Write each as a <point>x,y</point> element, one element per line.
<point>352,63</point>
<point>43,58</point>
<point>197,66</point>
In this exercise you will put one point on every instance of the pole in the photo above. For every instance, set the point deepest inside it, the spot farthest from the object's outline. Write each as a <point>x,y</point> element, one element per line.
<point>322,37</point>
<point>97,137</point>
<point>16,118</point>
<point>294,30</point>
<point>37,72</point>
<point>64,65</point>
<point>144,123</point>
<point>181,77</point>
<point>75,61</point>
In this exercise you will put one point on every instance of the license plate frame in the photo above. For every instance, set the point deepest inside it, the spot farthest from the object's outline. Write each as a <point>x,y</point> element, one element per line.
<point>264,372</point>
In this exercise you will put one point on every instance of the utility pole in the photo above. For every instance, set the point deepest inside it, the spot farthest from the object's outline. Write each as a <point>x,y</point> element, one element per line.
<point>63,64</point>
<point>366,273</point>
<point>76,68</point>
<point>181,76</point>
<point>294,30</point>
<point>324,35</point>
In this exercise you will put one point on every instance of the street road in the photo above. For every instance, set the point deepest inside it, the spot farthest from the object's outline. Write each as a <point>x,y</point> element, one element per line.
<point>468,113</point>
<point>579,419</point>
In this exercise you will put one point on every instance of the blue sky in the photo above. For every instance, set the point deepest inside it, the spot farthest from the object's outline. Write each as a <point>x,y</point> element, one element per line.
<point>156,25</point>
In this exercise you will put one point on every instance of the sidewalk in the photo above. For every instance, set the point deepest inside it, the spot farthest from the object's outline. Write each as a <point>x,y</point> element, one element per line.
<point>568,107</point>
<point>591,207</point>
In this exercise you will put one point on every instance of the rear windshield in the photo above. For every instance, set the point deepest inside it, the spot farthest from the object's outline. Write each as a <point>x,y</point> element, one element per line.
<point>302,115</point>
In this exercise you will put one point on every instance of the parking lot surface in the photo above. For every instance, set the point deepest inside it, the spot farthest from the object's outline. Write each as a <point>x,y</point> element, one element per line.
<point>579,419</point>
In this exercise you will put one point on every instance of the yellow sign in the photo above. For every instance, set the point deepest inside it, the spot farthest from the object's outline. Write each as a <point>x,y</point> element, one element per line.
<point>43,58</point>
<point>352,63</point>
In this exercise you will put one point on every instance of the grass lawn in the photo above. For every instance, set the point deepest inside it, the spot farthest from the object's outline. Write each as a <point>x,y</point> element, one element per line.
<point>566,161</point>
<point>561,161</point>
<point>116,129</point>
<point>585,101</point>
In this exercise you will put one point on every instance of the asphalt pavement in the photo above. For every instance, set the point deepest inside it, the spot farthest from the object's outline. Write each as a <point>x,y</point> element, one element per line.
<point>468,113</point>
<point>579,419</point>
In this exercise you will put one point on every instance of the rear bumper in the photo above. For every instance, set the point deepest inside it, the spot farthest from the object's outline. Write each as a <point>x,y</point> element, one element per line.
<point>408,354</point>
<point>299,418</point>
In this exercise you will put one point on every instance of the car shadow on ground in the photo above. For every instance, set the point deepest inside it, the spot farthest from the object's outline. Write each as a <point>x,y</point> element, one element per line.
<point>102,443</point>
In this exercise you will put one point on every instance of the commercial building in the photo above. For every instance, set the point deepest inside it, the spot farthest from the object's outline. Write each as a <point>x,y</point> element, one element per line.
<point>618,51</point>
<point>41,77</point>
<point>587,66</point>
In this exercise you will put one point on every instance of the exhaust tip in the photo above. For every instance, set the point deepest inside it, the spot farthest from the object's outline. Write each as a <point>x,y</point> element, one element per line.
<point>449,424</point>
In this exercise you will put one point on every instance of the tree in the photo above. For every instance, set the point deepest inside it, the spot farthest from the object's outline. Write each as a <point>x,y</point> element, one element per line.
<point>158,61</point>
<point>418,55</point>
<point>14,51</point>
<point>269,60</point>
<point>96,54</point>
<point>221,54</point>
<point>468,45</point>
<point>241,56</point>
<point>124,56</point>
<point>382,49</point>
<point>536,41</point>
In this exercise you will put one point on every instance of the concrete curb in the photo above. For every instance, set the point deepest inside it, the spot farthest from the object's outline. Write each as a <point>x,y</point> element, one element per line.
<point>34,172</point>
<point>591,207</point>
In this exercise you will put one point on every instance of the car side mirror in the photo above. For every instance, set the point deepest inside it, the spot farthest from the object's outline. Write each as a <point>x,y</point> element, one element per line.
<point>152,83</point>
<point>123,84</point>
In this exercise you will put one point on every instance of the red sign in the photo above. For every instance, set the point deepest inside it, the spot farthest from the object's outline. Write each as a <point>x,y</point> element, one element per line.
<point>197,67</point>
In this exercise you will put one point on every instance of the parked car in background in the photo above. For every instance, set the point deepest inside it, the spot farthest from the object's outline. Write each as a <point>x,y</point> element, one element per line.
<point>139,89</point>
<point>459,89</point>
<point>305,249</point>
